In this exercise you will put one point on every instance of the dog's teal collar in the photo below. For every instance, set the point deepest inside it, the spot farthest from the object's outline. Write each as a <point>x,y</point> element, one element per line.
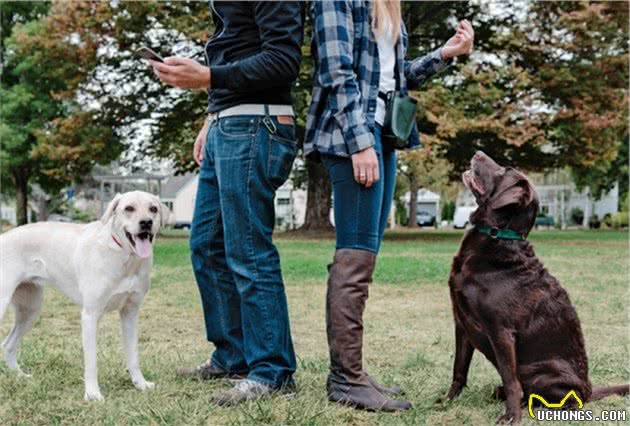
<point>501,234</point>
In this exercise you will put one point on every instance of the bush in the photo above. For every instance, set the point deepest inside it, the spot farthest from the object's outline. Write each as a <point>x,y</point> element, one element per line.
<point>448,210</point>
<point>75,214</point>
<point>401,212</point>
<point>607,220</point>
<point>577,215</point>
<point>619,220</point>
<point>594,222</point>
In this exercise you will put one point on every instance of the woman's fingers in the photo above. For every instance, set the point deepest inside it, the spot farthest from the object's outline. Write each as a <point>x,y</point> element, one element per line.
<point>356,167</point>
<point>369,177</point>
<point>466,24</point>
<point>365,167</point>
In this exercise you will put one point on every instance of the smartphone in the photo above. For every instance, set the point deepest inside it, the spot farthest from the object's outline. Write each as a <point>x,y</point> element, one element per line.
<point>146,53</point>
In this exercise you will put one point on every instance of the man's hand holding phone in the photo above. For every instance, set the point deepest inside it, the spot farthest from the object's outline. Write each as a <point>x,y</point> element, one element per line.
<point>182,72</point>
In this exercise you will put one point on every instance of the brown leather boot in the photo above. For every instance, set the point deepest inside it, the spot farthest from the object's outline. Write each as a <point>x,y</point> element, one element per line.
<point>348,282</point>
<point>387,390</point>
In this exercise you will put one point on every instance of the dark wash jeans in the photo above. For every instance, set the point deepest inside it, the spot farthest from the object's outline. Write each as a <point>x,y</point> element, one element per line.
<point>236,264</point>
<point>361,213</point>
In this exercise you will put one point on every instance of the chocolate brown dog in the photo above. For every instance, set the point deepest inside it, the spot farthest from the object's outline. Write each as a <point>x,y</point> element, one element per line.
<point>507,305</point>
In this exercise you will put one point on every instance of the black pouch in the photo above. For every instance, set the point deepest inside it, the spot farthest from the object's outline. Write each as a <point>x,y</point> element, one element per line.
<point>400,116</point>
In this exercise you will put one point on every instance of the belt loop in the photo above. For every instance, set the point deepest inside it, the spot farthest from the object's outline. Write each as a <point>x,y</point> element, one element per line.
<point>268,122</point>
<point>212,118</point>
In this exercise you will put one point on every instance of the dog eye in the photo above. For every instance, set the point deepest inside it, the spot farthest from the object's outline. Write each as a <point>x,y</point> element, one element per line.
<point>129,209</point>
<point>153,209</point>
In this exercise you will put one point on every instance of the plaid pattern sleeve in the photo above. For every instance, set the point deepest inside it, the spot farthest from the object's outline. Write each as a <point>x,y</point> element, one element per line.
<point>421,69</point>
<point>338,87</point>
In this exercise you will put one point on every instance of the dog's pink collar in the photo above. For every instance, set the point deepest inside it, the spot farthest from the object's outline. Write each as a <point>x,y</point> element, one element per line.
<point>117,242</point>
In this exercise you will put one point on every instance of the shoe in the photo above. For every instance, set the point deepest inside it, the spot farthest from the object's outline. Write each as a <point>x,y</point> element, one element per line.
<point>207,371</point>
<point>247,390</point>
<point>348,286</point>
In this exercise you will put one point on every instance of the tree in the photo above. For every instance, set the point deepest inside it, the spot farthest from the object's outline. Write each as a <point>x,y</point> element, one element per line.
<point>48,136</point>
<point>552,93</point>
<point>23,109</point>
<point>424,169</point>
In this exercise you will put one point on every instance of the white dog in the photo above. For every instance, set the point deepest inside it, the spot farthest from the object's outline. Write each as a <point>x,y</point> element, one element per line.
<point>102,266</point>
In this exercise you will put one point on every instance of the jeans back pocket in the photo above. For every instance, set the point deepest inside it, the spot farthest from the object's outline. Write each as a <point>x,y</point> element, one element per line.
<point>282,152</point>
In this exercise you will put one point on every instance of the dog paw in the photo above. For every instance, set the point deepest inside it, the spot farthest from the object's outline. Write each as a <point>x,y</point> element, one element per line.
<point>93,396</point>
<point>144,385</point>
<point>24,375</point>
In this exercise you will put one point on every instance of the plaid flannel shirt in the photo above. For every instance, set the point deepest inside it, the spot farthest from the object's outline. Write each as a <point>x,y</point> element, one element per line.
<point>346,76</point>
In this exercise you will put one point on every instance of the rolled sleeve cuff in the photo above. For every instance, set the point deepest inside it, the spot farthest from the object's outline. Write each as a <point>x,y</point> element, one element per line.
<point>219,76</point>
<point>438,62</point>
<point>358,138</point>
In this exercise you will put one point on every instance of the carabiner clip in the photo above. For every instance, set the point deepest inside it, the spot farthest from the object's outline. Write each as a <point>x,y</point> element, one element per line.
<point>270,125</point>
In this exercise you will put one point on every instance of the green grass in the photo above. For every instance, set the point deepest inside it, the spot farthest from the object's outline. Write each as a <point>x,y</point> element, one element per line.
<point>409,339</point>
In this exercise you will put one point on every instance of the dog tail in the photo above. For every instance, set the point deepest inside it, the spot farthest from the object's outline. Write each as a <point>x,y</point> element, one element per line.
<point>600,392</point>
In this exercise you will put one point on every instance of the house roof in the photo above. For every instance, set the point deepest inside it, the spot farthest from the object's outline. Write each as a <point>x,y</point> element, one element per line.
<point>175,184</point>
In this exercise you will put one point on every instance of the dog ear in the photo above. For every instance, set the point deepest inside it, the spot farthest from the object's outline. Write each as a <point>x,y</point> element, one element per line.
<point>109,212</point>
<point>165,214</point>
<point>514,188</point>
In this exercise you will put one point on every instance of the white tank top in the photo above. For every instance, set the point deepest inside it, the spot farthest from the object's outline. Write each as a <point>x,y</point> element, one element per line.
<point>387,58</point>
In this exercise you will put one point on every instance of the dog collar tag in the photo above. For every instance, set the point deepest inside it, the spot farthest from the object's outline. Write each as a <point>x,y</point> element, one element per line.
<point>500,234</point>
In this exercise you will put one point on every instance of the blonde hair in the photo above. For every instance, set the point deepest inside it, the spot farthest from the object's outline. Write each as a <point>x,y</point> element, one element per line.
<point>386,11</point>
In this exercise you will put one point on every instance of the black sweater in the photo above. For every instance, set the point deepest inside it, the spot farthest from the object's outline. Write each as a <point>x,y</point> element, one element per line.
<point>254,54</point>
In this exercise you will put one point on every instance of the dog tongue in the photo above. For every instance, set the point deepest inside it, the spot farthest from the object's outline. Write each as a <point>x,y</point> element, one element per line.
<point>143,247</point>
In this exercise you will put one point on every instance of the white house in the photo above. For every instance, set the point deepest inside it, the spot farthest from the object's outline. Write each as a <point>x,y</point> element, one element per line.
<point>428,202</point>
<point>179,192</point>
<point>290,206</point>
<point>7,213</point>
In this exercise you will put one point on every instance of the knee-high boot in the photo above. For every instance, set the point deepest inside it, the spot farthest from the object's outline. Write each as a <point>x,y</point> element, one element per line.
<point>349,277</point>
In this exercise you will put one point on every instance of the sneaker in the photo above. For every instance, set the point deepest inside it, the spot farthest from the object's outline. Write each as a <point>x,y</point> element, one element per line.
<point>207,371</point>
<point>247,390</point>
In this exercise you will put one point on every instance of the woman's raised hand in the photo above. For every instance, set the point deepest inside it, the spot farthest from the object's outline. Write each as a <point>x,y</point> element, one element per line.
<point>365,167</point>
<point>461,43</point>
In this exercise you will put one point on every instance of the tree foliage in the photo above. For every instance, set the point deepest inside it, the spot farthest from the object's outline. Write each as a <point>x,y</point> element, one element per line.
<point>552,93</point>
<point>545,88</point>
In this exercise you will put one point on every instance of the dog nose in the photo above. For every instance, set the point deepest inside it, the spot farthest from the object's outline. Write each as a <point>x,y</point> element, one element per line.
<point>146,224</point>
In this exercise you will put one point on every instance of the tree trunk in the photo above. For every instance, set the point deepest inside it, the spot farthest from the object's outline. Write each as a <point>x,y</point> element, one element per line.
<point>318,200</point>
<point>412,222</point>
<point>20,178</point>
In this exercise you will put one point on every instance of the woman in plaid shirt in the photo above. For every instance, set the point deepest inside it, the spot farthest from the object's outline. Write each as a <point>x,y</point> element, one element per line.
<point>359,50</point>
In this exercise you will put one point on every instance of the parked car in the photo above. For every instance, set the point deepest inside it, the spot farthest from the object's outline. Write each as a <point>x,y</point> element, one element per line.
<point>424,218</point>
<point>182,225</point>
<point>461,219</point>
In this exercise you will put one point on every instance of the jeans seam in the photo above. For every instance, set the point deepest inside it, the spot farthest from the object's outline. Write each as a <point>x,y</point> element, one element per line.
<point>215,285</point>
<point>357,212</point>
<point>263,303</point>
<point>250,240</point>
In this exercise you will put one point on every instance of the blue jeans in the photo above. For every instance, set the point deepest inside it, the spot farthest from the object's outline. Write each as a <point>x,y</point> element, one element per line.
<point>236,264</point>
<point>361,213</point>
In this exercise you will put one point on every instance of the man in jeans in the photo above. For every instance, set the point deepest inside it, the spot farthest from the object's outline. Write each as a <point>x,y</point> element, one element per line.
<point>245,149</point>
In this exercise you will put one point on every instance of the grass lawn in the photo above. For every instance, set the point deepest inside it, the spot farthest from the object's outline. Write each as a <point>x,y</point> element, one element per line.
<point>409,339</point>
